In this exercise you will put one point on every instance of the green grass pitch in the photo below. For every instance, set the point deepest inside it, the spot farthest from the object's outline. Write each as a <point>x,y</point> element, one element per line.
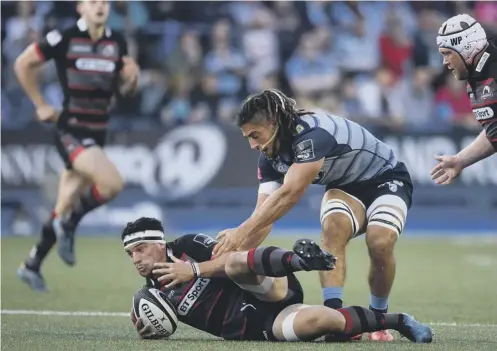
<point>444,281</point>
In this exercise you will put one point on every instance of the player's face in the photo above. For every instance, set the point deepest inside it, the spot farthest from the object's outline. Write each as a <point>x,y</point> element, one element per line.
<point>95,12</point>
<point>144,256</point>
<point>454,63</point>
<point>260,136</point>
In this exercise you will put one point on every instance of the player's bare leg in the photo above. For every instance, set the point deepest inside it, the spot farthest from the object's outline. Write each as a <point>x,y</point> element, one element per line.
<point>70,186</point>
<point>263,270</point>
<point>385,223</point>
<point>94,165</point>
<point>306,323</point>
<point>342,217</point>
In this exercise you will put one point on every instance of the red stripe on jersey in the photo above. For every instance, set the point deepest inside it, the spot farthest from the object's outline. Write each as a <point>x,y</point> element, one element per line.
<point>485,121</point>
<point>39,53</point>
<point>214,304</point>
<point>488,81</point>
<point>76,153</point>
<point>81,87</point>
<point>96,56</point>
<point>486,103</point>
<point>87,111</point>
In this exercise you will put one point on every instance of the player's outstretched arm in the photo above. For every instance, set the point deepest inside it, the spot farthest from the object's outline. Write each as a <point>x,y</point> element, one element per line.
<point>450,167</point>
<point>179,272</point>
<point>297,180</point>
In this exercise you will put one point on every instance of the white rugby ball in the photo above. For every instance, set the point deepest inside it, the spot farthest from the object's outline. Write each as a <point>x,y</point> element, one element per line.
<point>156,311</point>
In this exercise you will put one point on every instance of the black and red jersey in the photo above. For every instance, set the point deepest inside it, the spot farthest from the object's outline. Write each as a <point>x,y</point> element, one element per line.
<point>218,306</point>
<point>482,90</point>
<point>88,73</point>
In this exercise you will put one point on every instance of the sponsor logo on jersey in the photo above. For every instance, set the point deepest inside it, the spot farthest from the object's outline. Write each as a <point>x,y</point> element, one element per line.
<point>91,64</point>
<point>482,62</point>
<point>53,37</point>
<point>85,48</point>
<point>392,185</point>
<point>487,92</point>
<point>304,150</point>
<point>483,113</point>
<point>204,240</point>
<point>192,296</point>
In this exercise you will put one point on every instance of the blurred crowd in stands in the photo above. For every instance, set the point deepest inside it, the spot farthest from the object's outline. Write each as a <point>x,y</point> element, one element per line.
<point>373,62</point>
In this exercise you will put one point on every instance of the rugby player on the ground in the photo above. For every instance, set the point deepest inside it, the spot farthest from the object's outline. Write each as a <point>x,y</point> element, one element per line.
<point>367,188</point>
<point>470,56</point>
<point>250,295</point>
<point>92,65</point>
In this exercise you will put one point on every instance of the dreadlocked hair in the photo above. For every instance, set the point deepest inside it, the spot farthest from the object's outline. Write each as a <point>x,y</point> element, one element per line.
<point>273,106</point>
<point>142,224</point>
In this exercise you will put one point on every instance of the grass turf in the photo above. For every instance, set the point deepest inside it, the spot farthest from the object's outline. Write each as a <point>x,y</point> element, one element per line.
<point>442,281</point>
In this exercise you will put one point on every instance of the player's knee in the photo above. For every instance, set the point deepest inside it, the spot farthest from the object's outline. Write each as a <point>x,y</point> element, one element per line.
<point>380,242</point>
<point>110,187</point>
<point>236,264</point>
<point>336,231</point>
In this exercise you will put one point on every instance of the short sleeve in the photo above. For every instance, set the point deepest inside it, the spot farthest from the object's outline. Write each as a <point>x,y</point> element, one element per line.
<point>51,46</point>
<point>313,145</point>
<point>197,246</point>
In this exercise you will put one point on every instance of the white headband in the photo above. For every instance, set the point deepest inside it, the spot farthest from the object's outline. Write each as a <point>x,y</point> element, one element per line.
<point>148,236</point>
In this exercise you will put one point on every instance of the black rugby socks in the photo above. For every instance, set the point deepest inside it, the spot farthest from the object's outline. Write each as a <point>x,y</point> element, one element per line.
<point>362,320</point>
<point>271,261</point>
<point>43,247</point>
<point>89,200</point>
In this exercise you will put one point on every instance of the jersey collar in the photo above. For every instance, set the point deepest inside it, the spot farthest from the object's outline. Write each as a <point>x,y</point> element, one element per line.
<point>83,27</point>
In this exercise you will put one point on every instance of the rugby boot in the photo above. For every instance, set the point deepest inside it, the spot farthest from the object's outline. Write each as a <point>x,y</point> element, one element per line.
<point>414,330</point>
<point>31,277</point>
<point>65,241</point>
<point>380,335</point>
<point>313,256</point>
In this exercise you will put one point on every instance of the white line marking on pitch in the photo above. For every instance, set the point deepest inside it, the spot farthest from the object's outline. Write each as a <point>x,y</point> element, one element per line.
<point>125,314</point>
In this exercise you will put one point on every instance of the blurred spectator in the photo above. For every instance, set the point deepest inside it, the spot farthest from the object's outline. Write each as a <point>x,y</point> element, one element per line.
<point>416,99</point>
<point>310,71</point>
<point>486,14</point>
<point>358,49</point>
<point>224,62</point>
<point>260,45</point>
<point>395,46</point>
<point>187,58</point>
<point>425,50</point>
<point>452,103</point>
<point>128,16</point>
<point>380,99</point>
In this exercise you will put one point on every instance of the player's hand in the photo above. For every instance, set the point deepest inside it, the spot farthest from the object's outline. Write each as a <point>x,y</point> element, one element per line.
<point>447,170</point>
<point>46,113</point>
<point>175,273</point>
<point>144,332</point>
<point>228,240</point>
<point>130,71</point>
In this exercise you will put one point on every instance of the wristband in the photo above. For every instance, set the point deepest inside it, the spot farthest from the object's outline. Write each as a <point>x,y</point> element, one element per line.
<point>196,269</point>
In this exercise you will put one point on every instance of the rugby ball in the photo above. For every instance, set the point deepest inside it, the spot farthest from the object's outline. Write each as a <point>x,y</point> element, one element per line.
<point>156,311</point>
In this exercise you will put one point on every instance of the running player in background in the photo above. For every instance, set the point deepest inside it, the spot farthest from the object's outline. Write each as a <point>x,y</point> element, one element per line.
<point>92,64</point>
<point>250,295</point>
<point>470,56</point>
<point>367,188</point>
